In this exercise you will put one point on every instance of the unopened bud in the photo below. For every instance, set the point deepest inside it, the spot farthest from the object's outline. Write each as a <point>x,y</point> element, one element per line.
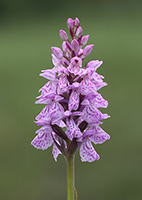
<point>63,35</point>
<point>75,45</point>
<point>79,32</point>
<point>64,46</point>
<point>83,125</point>
<point>70,23</point>
<point>84,40</point>
<point>59,131</point>
<point>57,52</point>
<point>55,60</point>
<point>87,50</point>
<point>76,22</point>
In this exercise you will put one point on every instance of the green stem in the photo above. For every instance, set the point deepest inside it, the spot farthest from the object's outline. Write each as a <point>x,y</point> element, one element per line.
<point>70,177</point>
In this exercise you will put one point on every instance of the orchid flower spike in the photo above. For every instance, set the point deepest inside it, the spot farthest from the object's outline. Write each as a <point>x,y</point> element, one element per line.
<point>71,117</point>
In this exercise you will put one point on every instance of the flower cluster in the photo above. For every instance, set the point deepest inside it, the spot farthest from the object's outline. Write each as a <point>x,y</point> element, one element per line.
<point>70,120</point>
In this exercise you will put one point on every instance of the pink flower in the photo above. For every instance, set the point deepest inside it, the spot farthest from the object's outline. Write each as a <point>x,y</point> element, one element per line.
<point>70,118</point>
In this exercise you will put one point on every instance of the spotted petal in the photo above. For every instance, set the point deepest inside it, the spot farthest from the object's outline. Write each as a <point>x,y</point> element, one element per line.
<point>87,152</point>
<point>72,129</point>
<point>49,87</point>
<point>87,87</point>
<point>48,74</point>
<point>76,70</point>
<point>99,135</point>
<point>44,113</point>
<point>44,139</point>
<point>44,100</point>
<point>62,84</point>
<point>99,101</point>
<point>91,115</point>
<point>97,80</point>
<point>74,100</point>
<point>56,110</point>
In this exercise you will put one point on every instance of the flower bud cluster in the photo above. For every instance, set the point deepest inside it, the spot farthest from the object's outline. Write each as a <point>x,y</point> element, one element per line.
<point>70,119</point>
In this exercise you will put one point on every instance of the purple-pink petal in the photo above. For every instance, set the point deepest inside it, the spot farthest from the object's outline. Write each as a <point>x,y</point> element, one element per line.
<point>74,100</point>
<point>94,64</point>
<point>63,35</point>
<point>49,87</point>
<point>48,74</point>
<point>87,87</point>
<point>56,61</point>
<point>84,39</point>
<point>72,129</point>
<point>95,101</point>
<point>56,110</point>
<point>76,70</point>
<point>79,32</point>
<point>99,135</point>
<point>70,23</point>
<point>91,115</point>
<point>99,101</point>
<point>75,45</point>
<point>87,152</point>
<point>43,140</point>
<point>76,22</point>
<point>44,100</point>
<point>62,84</point>
<point>87,50</point>
<point>44,113</point>
<point>57,52</point>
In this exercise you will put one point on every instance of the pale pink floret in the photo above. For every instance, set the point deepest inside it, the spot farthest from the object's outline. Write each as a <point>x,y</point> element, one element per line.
<point>84,40</point>
<point>56,61</point>
<point>74,100</point>
<point>57,52</point>
<point>70,23</point>
<point>48,74</point>
<point>72,129</point>
<point>62,84</point>
<point>63,35</point>
<point>76,22</point>
<point>44,139</point>
<point>87,87</point>
<point>48,88</point>
<point>87,152</point>
<point>79,32</point>
<point>93,115</point>
<point>99,135</point>
<point>75,45</point>
<point>75,66</point>
<point>96,134</point>
<point>64,46</point>
<point>44,113</point>
<point>87,50</point>
<point>94,64</point>
<point>95,101</point>
<point>56,110</point>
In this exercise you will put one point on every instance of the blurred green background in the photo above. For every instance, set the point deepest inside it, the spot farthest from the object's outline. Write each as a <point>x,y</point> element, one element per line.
<point>28,29</point>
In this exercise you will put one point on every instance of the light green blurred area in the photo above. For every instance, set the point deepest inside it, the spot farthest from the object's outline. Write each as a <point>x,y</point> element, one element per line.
<point>25,49</point>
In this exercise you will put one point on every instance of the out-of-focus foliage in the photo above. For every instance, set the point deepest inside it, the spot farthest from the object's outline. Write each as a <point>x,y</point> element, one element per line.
<point>28,30</point>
